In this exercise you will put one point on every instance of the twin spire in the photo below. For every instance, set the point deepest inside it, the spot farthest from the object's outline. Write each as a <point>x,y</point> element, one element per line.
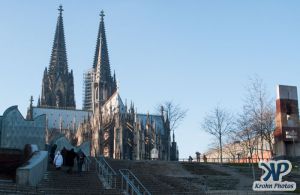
<point>101,60</point>
<point>58,82</point>
<point>58,61</point>
<point>99,85</point>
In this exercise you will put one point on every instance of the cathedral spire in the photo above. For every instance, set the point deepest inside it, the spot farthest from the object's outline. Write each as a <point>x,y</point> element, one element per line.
<point>30,110</point>
<point>101,60</point>
<point>58,61</point>
<point>104,85</point>
<point>58,83</point>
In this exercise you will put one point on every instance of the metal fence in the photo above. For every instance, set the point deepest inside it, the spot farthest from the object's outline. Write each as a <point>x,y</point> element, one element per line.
<point>224,160</point>
<point>131,184</point>
<point>105,172</point>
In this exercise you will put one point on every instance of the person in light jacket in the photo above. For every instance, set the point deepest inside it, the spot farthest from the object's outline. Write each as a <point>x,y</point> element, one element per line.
<point>58,160</point>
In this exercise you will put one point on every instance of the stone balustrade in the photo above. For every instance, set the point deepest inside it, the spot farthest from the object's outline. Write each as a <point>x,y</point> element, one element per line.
<point>33,171</point>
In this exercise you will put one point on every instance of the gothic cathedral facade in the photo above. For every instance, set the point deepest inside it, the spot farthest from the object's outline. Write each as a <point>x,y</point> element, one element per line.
<point>112,128</point>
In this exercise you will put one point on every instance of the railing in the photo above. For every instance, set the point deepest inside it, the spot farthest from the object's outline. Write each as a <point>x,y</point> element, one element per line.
<point>225,160</point>
<point>132,185</point>
<point>105,172</point>
<point>87,163</point>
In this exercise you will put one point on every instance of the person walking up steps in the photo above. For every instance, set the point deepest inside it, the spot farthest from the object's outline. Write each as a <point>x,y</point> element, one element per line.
<point>70,160</point>
<point>58,160</point>
<point>80,161</point>
<point>52,153</point>
<point>64,152</point>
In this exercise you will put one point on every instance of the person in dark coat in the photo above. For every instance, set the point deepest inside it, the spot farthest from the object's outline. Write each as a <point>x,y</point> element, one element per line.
<point>70,160</point>
<point>205,158</point>
<point>80,161</point>
<point>198,156</point>
<point>190,159</point>
<point>52,152</point>
<point>64,152</point>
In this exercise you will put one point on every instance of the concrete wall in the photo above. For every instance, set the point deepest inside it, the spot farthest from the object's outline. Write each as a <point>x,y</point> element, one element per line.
<point>0,129</point>
<point>33,172</point>
<point>16,131</point>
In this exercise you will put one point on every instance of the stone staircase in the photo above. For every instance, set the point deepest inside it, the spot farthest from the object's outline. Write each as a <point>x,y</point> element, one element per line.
<point>159,177</point>
<point>10,187</point>
<point>153,176</point>
<point>60,182</point>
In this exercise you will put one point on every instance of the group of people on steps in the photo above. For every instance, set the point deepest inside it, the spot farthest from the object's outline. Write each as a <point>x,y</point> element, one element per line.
<point>66,157</point>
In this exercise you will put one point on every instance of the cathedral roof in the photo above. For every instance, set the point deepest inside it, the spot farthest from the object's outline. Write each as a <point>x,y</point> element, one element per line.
<point>115,102</point>
<point>156,121</point>
<point>64,118</point>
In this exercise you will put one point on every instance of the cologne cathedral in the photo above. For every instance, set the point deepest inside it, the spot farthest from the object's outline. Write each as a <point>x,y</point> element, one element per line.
<point>112,129</point>
<point>58,84</point>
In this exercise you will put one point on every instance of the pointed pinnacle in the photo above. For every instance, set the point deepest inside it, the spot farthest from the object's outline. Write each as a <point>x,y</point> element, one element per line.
<point>102,15</point>
<point>60,9</point>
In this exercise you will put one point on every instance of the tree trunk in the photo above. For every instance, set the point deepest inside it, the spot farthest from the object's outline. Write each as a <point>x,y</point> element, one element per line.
<point>250,149</point>
<point>262,146</point>
<point>256,152</point>
<point>221,149</point>
<point>271,148</point>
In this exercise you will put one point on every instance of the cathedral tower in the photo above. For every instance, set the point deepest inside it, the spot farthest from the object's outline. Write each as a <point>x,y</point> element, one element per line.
<point>102,84</point>
<point>58,82</point>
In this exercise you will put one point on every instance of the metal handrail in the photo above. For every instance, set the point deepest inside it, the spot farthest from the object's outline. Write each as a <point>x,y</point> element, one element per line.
<point>132,183</point>
<point>87,162</point>
<point>105,172</point>
<point>104,162</point>
<point>225,160</point>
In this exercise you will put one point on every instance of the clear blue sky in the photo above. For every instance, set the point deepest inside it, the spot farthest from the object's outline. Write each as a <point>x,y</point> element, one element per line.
<point>196,53</point>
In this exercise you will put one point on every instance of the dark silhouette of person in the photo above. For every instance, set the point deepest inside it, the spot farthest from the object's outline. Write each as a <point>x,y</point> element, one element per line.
<point>70,160</point>
<point>52,152</point>
<point>64,152</point>
<point>190,159</point>
<point>198,156</point>
<point>80,161</point>
<point>204,158</point>
<point>27,151</point>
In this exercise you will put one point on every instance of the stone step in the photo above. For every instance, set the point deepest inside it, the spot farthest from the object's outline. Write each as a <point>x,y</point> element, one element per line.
<point>60,182</point>
<point>150,173</point>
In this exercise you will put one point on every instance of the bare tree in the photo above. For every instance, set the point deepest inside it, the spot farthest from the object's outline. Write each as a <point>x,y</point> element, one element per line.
<point>259,107</point>
<point>213,151</point>
<point>175,113</point>
<point>245,133</point>
<point>269,126</point>
<point>230,149</point>
<point>218,123</point>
